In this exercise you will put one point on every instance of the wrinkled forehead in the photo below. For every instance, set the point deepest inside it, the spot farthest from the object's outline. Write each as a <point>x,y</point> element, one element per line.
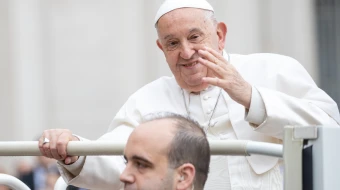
<point>184,13</point>
<point>179,15</point>
<point>182,22</point>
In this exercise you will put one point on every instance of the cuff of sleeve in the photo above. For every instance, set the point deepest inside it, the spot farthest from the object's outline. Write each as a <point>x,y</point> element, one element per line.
<point>75,167</point>
<point>256,114</point>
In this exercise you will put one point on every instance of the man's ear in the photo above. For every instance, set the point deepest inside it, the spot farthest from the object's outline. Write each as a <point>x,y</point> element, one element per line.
<point>221,33</point>
<point>159,45</point>
<point>185,176</point>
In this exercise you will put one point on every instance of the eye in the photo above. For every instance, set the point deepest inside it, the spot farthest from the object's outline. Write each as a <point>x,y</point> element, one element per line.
<point>196,38</point>
<point>171,45</point>
<point>141,165</point>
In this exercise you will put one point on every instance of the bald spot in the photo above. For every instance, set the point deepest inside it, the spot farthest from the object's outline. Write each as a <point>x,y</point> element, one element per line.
<point>154,136</point>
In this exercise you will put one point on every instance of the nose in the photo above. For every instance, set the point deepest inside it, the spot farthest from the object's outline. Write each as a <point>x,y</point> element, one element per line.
<point>187,51</point>
<point>126,177</point>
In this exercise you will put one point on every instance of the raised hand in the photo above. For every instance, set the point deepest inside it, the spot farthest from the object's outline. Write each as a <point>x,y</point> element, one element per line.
<point>226,76</point>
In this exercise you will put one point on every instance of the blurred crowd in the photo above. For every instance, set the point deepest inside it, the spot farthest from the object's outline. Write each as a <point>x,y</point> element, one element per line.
<point>42,174</point>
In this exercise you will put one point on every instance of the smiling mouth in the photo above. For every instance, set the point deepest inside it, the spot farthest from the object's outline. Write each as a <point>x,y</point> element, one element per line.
<point>190,64</point>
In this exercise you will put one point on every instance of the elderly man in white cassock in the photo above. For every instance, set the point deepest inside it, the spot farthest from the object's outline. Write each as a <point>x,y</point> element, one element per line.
<point>245,97</point>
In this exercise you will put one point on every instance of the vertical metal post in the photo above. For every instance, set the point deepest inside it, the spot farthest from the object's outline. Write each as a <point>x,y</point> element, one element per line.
<point>293,142</point>
<point>292,157</point>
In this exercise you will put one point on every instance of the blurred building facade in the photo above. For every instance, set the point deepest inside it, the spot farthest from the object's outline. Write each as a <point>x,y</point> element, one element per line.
<point>72,64</point>
<point>328,35</point>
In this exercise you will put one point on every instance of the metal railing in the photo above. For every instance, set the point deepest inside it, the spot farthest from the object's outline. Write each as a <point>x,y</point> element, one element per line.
<point>12,182</point>
<point>296,142</point>
<point>83,148</point>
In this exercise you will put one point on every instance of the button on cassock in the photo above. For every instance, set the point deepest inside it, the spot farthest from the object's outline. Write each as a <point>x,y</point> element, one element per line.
<point>206,97</point>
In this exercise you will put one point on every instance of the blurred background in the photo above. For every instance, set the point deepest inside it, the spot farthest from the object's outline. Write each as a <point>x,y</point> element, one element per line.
<point>72,64</point>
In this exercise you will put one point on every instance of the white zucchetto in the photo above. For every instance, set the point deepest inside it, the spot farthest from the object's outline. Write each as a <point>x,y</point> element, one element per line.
<point>170,5</point>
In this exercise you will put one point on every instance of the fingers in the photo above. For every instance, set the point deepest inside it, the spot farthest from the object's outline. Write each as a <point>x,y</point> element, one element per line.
<point>212,81</point>
<point>208,56</point>
<point>212,55</point>
<point>40,144</point>
<point>45,147</point>
<point>215,53</point>
<point>64,138</point>
<point>53,147</point>
<point>218,70</point>
<point>216,63</point>
<point>218,66</point>
<point>57,146</point>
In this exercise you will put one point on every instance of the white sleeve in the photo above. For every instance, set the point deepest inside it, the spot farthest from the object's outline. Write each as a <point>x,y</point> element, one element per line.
<point>257,111</point>
<point>292,98</point>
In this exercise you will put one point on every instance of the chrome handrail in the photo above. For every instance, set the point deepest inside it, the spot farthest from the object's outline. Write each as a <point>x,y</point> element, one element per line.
<point>83,148</point>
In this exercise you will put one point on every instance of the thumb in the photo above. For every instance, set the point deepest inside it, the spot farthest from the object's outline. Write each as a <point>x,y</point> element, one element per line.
<point>70,159</point>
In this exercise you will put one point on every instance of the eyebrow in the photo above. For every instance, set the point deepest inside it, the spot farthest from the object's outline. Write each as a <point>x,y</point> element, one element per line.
<point>140,158</point>
<point>191,31</point>
<point>195,30</point>
<point>168,36</point>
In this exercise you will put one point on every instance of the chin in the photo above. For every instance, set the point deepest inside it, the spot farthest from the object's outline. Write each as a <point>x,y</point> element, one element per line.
<point>194,83</point>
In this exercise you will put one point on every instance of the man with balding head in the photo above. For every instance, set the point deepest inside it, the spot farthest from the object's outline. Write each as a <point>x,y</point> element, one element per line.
<point>174,158</point>
<point>233,97</point>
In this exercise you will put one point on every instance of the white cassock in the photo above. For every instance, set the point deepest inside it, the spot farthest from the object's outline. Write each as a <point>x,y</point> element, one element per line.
<point>283,94</point>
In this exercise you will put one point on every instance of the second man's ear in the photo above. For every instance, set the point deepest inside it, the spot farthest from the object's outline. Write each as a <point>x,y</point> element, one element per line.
<point>186,176</point>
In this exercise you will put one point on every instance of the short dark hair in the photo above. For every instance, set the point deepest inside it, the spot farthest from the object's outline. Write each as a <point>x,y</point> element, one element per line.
<point>189,145</point>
